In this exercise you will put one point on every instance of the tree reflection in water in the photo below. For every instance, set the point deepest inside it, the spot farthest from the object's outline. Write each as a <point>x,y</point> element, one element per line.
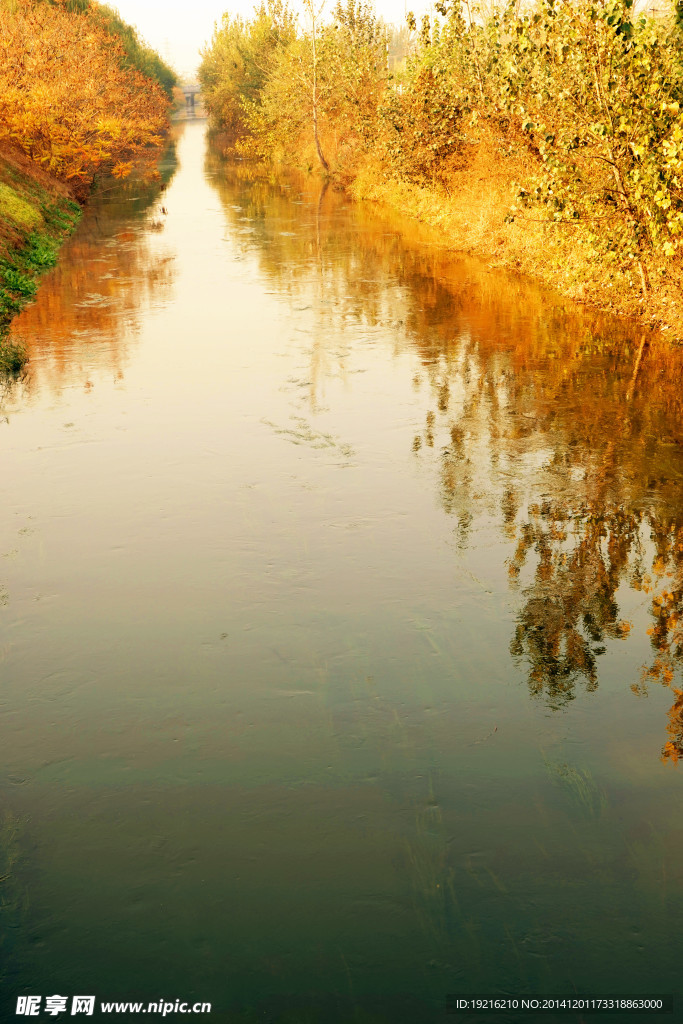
<point>598,518</point>
<point>535,418</point>
<point>90,302</point>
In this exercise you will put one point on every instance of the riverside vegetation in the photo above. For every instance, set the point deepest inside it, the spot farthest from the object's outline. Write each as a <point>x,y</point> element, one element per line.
<point>80,95</point>
<point>544,135</point>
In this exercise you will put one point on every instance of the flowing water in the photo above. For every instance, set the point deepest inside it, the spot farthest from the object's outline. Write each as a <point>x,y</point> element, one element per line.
<point>341,585</point>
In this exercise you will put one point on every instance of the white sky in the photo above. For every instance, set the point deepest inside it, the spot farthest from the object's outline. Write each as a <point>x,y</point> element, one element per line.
<point>178,28</point>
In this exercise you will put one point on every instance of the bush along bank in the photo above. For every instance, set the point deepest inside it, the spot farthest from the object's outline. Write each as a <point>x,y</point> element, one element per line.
<point>546,135</point>
<point>79,96</point>
<point>36,214</point>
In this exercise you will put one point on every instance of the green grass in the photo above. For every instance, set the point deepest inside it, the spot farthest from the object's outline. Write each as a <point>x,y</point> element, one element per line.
<point>41,253</point>
<point>17,283</point>
<point>17,209</point>
<point>39,237</point>
<point>61,217</point>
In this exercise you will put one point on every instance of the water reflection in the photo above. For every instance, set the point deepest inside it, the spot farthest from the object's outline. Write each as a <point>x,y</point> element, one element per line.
<point>537,415</point>
<point>90,306</point>
<point>259,710</point>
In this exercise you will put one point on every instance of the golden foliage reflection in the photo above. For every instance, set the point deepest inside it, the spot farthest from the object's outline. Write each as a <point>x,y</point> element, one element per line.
<point>558,422</point>
<point>87,309</point>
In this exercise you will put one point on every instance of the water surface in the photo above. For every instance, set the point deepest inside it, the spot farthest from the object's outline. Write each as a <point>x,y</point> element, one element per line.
<point>341,582</point>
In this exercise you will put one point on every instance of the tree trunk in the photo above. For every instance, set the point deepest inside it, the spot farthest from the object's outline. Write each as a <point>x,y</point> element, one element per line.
<point>314,95</point>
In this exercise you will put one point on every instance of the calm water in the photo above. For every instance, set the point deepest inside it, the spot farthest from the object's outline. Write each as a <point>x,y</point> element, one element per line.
<point>340,625</point>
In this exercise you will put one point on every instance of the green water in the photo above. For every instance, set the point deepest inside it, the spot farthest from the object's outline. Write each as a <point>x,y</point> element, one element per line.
<point>327,565</point>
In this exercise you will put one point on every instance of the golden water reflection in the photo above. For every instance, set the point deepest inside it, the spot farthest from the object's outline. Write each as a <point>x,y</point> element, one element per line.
<point>536,413</point>
<point>113,268</point>
<point>270,607</point>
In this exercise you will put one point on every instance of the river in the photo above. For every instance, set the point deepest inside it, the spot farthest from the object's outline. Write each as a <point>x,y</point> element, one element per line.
<point>340,601</point>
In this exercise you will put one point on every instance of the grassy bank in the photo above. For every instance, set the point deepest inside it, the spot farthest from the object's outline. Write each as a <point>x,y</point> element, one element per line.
<point>36,214</point>
<point>81,96</point>
<point>478,213</point>
<point>544,136</point>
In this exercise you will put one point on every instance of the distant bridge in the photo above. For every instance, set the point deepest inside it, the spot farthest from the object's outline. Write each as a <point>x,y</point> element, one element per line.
<point>191,91</point>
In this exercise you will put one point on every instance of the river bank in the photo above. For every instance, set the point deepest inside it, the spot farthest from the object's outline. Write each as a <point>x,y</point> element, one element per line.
<point>477,215</point>
<point>101,108</point>
<point>548,144</point>
<point>37,213</point>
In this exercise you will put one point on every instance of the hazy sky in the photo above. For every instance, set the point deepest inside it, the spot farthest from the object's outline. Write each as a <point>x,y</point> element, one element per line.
<point>178,28</point>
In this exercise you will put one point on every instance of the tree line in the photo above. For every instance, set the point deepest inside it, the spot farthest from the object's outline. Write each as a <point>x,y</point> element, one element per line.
<point>585,96</point>
<point>79,92</point>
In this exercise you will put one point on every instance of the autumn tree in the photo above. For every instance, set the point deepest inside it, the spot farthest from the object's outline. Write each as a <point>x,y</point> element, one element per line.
<point>66,98</point>
<point>315,88</point>
<point>239,61</point>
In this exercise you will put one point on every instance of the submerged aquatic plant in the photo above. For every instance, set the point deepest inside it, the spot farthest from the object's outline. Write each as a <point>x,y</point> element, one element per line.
<point>12,894</point>
<point>13,357</point>
<point>579,786</point>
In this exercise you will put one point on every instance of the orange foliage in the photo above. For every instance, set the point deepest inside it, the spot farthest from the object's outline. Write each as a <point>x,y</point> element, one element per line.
<point>666,635</point>
<point>66,101</point>
<point>673,749</point>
